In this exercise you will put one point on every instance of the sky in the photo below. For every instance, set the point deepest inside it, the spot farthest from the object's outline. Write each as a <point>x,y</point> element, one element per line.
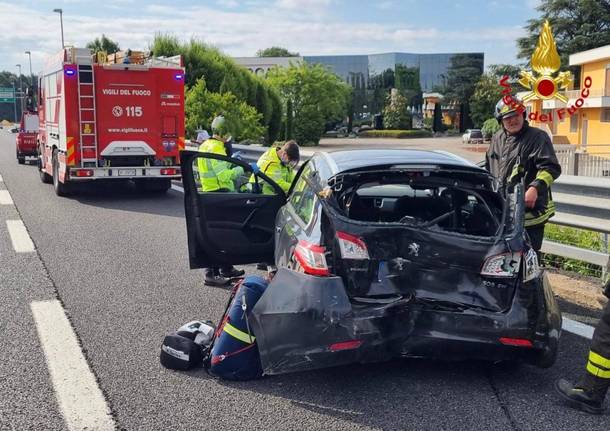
<point>241,27</point>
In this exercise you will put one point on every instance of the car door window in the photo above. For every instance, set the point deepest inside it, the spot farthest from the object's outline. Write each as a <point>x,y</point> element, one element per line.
<point>302,197</point>
<point>228,176</point>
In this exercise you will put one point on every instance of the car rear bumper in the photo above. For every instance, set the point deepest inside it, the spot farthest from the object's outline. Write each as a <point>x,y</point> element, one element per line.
<point>304,322</point>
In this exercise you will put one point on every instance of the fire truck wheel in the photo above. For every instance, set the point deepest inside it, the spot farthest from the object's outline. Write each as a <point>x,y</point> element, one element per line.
<point>61,189</point>
<point>20,159</point>
<point>44,177</point>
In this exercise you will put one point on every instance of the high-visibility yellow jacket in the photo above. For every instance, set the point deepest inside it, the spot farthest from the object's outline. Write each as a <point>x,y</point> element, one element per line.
<point>215,175</point>
<point>271,165</point>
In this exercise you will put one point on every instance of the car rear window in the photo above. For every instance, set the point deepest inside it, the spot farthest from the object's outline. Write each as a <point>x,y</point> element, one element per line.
<point>428,202</point>
<point>476,134</point>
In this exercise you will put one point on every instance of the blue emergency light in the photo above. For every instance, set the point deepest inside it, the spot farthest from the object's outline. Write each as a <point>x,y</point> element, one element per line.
<point>70,72</point>
<point>178,76</point>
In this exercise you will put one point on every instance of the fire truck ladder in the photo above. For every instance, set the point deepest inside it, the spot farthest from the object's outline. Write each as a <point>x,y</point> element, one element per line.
<point>86,103</point>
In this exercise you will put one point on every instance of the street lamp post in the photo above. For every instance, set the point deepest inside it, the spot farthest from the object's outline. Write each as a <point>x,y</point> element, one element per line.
<point>31,74</point>
<point>20,89</point>
<point>61,22</point>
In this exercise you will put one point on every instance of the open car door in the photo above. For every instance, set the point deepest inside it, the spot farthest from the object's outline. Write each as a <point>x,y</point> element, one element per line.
<point>230,220</point>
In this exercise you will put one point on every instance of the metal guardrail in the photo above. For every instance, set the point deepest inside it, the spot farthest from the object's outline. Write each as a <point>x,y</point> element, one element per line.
<point>582,202</point>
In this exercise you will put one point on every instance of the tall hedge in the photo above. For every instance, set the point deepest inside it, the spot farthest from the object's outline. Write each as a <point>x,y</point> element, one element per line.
<point>222,75</point>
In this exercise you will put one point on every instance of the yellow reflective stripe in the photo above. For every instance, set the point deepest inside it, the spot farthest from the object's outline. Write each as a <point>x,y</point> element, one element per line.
<point>517,169</point>
<point>546,177</point>
<point>598,372</point>
<point>549,211</point>
<point>238,333</point>
<point>599,360</point>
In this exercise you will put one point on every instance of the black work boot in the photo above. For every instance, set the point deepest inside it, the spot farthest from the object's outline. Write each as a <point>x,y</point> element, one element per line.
<point>587,395</point>
<point>231,272</point>
<point>213,278</point>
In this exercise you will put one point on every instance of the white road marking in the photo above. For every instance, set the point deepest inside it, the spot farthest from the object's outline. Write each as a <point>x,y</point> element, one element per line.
<point>577,328</point>
<point>5,198</point>
<point>177,188</point>
<point>0,178</point>
<point>20,238</point>
<point>80,399</point>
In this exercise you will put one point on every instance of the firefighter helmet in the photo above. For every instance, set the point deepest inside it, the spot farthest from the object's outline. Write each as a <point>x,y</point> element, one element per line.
<point>220,126</point>
<point>506,110</point>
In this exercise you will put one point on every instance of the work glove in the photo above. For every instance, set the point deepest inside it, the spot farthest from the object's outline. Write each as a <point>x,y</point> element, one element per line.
<point>255,168</point>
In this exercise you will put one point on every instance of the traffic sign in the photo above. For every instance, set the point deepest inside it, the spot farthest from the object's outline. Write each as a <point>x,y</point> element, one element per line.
<point>7,95</point>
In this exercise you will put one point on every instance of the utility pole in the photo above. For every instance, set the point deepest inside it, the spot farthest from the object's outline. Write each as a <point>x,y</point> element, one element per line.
<point>31,74</point>
<point>15,102</point>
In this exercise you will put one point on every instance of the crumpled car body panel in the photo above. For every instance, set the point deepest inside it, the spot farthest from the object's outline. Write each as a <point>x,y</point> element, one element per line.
<point>304,322</point>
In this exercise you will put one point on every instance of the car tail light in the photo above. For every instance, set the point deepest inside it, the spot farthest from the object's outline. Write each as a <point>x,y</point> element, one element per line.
<point>83,173</point>
<point>352,247</point>
<point>518,342</point>
<point>345,345</point>
<point>531,268</point>
<point>311,258</point>
<point>169,171</point>
<point>502,265</point>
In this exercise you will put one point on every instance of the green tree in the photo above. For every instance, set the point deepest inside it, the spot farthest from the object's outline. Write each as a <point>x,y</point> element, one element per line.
<point>276,51</point>
<point>578,25</point>
<point>490,127</point>
<point>224,76</point>
<point>395,114</point>
<point>462,76</point>
<point>203,105</point>
<point>103,44</point>
<point>488,91</point>
<point>437,122</point>
<point>317,97</point>
<point>486,95</point>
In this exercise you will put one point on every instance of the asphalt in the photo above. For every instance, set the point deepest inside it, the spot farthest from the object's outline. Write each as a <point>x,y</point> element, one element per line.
<point>117,260</point>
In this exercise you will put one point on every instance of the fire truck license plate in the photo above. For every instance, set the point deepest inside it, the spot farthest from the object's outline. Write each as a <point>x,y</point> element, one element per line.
<point>127,172</point>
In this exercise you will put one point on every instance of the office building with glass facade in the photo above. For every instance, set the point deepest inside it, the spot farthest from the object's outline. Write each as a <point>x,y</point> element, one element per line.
<point>373,75</point>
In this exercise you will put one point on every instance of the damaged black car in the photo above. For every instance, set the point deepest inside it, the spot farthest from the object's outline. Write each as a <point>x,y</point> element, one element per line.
<point>381,254</point>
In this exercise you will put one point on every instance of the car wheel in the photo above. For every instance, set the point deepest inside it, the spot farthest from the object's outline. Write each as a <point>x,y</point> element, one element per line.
<point>61,189</point>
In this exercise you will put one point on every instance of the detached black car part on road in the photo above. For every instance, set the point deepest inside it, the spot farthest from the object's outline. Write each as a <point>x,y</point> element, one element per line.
<point>381,254</point>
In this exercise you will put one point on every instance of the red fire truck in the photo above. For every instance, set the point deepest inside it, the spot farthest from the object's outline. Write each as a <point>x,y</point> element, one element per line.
<point>26,139</point>
<point>103,121</point>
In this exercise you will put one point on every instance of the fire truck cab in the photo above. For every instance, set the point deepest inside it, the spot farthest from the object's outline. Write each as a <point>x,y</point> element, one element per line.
<point>105,121</point>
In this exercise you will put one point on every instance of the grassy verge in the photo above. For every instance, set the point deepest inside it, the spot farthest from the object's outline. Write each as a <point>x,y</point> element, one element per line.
<point>578,238</point>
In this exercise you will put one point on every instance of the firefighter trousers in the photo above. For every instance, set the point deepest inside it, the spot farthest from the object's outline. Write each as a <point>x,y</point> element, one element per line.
<point>598,364</point>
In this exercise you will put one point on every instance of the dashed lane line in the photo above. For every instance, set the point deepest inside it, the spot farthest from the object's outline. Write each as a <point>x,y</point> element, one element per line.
<point>577,328</point>
<point>177,188</point>
<point>568,325</point>
<point>5,198</point>
<point>22,243</point>
<point>80,399</point>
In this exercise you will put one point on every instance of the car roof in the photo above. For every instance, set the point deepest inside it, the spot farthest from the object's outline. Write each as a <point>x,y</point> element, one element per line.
<point>346,160</point>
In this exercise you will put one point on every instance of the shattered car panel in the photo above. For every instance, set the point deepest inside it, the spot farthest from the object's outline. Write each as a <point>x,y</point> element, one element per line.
<point>305,323</point>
